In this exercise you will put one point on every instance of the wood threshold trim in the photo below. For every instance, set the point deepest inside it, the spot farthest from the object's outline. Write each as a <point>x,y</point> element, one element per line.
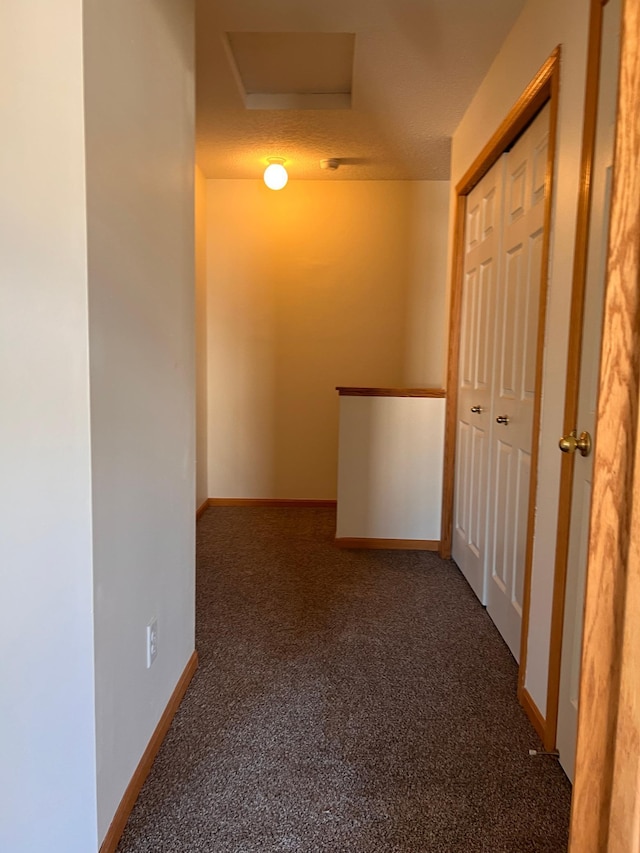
<point>532,711</point>
<point>388,544</point>
<point>344,391</point>
<point>202,508</point>
<point>605,810</point>
<point>130,796</point>
<point>274,502</point>
<point>567,461</point>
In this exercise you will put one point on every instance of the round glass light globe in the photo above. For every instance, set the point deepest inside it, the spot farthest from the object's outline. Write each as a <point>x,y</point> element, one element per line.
<point>275,176</point>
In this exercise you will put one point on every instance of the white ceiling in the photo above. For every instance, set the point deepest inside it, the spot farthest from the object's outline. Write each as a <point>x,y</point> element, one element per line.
<point>417,65</point>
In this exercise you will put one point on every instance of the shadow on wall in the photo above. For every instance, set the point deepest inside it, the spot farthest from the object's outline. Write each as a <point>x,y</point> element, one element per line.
<point>176,33</point>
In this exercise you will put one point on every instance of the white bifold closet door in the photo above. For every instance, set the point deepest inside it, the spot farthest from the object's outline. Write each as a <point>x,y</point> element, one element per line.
<point>492,486</point>
<point>482,247</point>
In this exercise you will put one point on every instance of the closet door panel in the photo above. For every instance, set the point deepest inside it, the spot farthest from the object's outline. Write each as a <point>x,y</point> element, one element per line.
<point>509,336</point>
<point>476,370</point>
<point>518,295</point>
<point>528,379</point>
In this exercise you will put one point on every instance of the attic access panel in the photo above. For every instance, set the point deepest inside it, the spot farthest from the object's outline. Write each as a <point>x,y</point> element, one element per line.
<point>294,70</point>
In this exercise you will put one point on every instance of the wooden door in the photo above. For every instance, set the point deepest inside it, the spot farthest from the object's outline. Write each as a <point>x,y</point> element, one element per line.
<point>482,242</point>
<point>514,385</point>
<point>606,795</point>
<point>588,388</point>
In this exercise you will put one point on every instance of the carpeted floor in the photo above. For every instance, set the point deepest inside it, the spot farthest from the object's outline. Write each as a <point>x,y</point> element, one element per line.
<point>345,701</point>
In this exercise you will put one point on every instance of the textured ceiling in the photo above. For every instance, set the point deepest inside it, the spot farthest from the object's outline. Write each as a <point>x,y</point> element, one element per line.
<point>417,65</point>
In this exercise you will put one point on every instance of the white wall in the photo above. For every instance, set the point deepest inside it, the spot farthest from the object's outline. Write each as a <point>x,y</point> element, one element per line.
<point>390,468</point>
<point>202,492</point>
<point>541,27</point>
<point>310,288</point>
<point>47,764</point>
<point>140,204</point>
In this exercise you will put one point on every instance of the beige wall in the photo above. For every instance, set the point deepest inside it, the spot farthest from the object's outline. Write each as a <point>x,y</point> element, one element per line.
<point>426,330</point>
<point>140,211</point>
<point>201,336</point>
<point>96,337</point>
<point>308,288</point>
<point>542,25</point>
<point>47,735</point>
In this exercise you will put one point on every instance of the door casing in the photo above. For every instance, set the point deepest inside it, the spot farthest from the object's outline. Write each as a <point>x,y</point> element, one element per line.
<point>542,89</point>
<point>567,461</point>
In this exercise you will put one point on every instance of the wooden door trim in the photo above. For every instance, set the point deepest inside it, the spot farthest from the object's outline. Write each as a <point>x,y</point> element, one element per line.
<point>605,811</point>
<point>567,461</point>
<point>530,102</point>
<point>525,698</point>
<point>451,408</point>
<point>543,88</point>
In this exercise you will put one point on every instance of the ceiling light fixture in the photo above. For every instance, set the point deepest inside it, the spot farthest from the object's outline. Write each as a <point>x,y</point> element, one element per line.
<point>275,175</point>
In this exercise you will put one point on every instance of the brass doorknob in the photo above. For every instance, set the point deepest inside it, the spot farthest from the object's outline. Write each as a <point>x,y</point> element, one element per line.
<point>502,419</point>
<point>477,410</point>
<point>570,443</point>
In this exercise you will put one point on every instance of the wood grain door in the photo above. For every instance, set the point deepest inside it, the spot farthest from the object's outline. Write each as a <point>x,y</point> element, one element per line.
<point>606,795</point>
<point>601,182</point>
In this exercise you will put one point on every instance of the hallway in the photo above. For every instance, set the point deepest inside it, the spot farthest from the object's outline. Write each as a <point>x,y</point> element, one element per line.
<point>345,701</point>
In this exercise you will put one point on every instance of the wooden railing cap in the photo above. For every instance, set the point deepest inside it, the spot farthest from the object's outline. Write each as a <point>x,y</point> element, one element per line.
<point>345,391</point>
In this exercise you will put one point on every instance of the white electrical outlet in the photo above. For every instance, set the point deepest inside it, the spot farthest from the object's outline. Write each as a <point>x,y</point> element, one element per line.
<point>152,642</point>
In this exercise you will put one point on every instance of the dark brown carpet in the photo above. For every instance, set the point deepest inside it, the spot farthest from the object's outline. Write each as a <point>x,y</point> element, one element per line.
<point>345,701</point>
